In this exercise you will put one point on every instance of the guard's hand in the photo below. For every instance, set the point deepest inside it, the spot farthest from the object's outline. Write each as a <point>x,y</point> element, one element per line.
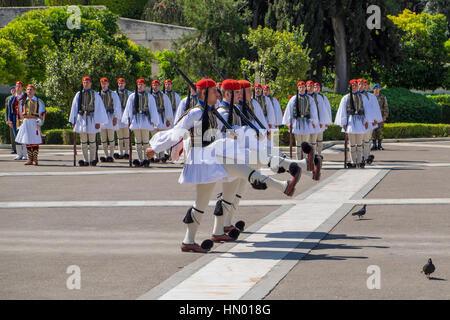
<point>314,126</point>
<point>320,125</point>
<point>366,125</point>
<point>149,153</point>
<point>97,126</point>
<point>345,128</point>
<point>167,123</point>
<point>384,119</point>
<point>10,124</point>
<point>114,121</point>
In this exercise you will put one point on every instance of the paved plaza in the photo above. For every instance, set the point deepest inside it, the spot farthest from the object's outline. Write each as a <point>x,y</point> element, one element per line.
<point>122,227</point>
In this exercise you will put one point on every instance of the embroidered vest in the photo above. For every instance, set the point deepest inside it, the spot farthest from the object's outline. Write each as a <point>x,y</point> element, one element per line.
<point>88,102</point>
<point>358,106</point>
<point>30,109</point>
<point>198,132</point>
<point>159,98</point>
<point>142,107</point>
<point>123,97</point>
<point>173,100</point>
<point>262,101</point>
<point>302,107</point>
<point>107,100</point>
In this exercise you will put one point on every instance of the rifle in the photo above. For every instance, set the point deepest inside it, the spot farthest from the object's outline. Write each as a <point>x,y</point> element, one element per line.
<point>130,148</point>
<point>238,111</point>
<point>80,102</point>
<point>192,85</point>
<point>290,140</point>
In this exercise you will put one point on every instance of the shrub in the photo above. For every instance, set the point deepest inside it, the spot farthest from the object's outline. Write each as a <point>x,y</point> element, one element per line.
<point>406,106</point>
<point>444,101</point>
<point>55,119</point>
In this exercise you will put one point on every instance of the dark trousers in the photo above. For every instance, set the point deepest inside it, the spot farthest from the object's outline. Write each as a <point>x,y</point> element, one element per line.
<point>12,135</point>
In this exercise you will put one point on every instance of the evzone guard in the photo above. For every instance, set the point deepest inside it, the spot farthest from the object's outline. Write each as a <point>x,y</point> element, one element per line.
<point>234,188</point>
<point>205,165</point>
<point>324,113</point>
<point>123,132</point>
<point>142,117</point>
<point>32,114</point>
<point>14,119</point>
<point>354,116</point>
<point>301,118</point>
<point>164,108</point>
<point>86,116</point>
<point>113,108</point>
<point>375,111</point>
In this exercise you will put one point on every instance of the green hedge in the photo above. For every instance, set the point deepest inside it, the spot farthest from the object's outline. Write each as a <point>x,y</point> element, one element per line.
<point>444,101</point>
<point>55,119</point>
<point>406,106</point>
<point>390,131</point>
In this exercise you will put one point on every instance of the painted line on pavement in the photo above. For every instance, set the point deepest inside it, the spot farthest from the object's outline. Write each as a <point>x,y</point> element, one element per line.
<point>228,276</point>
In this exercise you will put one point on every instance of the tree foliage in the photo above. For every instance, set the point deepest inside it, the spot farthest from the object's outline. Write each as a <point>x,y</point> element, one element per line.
<point>282,58</point>
<point>11,61</point>
<point>426,48</point>
<point>217,46</point>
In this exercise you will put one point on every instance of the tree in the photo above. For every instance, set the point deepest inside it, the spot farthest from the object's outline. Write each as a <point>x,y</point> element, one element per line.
<point>165,11</point>
<point>216,46</point>
<point>35,39</point>
<point>439,6</point>
<point>427,52</point>
<point>84,57</point>
<point>338,36</point>
<point>11,62</point>
<point>282,58</point>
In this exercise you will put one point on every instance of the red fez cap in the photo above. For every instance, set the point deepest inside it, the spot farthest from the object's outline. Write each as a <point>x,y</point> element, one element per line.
<point>86,79</point>
<point>155,81</point>
<point>140,81</point>
<point>104,80</point>
<point>353,81</point>
<point>365,81</point>
<point>19,82</point>
<point>316,84</point>
<point>205,84</point>
<point>245,84</point>
<point>266,86</point>
<point>231,84</point>
<point>360,80</point>
<point>31,86</point>
<point>121,80</point>
<point>300,83</point>
<point>167,80</point>
<point>258,85</point>
<point>309,82</point>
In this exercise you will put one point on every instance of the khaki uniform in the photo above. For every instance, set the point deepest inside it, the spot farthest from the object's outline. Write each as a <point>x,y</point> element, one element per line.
<point>382,101</point>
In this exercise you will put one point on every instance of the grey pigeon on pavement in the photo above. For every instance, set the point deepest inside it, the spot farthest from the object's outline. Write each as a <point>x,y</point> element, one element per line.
<point>428,268</point>
<point>360,212</point>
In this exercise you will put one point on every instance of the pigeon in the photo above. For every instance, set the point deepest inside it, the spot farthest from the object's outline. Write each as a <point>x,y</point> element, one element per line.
<point>428,268</point>
<point>360,213</point>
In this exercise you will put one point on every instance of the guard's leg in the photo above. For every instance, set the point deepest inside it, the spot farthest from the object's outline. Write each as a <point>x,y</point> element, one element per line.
<point>111,143</point>
<point>359,149</point>
<point>319,143</point>
<point>228,226</point>
<point>260,181</point>
<point>366,144</point>
<point>194,216</point>
<point>138,138</point>
<point>223,208</point>
<point>353,153</point>
<point>104,140</point>
<point>126,140</point>
<point>92,148</point>
<point>84,146</point>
